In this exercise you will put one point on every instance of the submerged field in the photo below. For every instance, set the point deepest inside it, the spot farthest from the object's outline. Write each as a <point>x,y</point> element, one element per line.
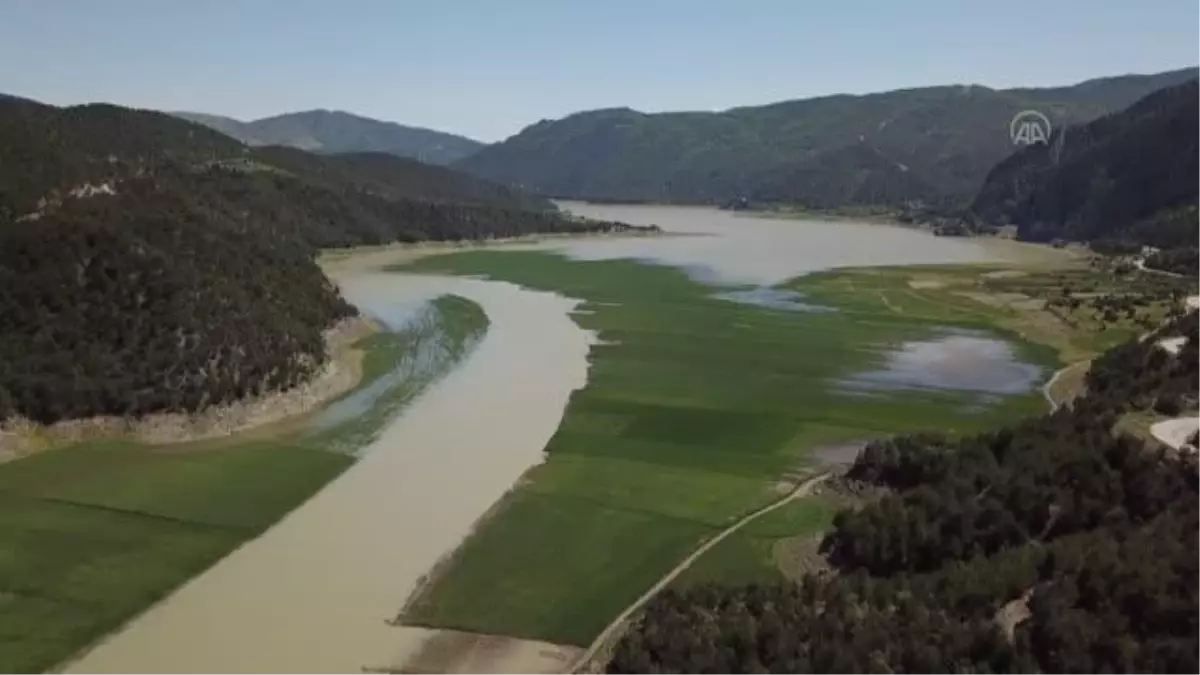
<point>91,534</point>
<point>698,410</point>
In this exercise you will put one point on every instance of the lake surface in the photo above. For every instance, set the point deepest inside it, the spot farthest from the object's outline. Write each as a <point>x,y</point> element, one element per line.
<point>963,361</point>
<point>315,592</point>
<point>740,248</point>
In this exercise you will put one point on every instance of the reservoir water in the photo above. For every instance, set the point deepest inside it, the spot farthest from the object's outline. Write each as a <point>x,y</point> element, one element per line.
<point>734,247</point>
<point>315,592</point>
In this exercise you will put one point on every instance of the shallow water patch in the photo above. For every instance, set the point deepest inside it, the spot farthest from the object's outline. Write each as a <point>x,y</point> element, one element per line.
<point>772,298</point>
<point>955,360</point>
<point>427,338</point>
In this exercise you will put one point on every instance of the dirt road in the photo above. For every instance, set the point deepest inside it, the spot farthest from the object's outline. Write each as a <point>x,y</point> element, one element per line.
<point>608,633</point>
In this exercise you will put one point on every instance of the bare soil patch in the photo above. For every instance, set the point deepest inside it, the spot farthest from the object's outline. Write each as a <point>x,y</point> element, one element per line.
<point>837,455</point>
<point>926,284</point>
<point>1030,305</point>
<point>1175,433</point>
<point>449,651</point>
<point>799,556</point>
<point>989,299</point>
<point>1173,345</point>
<point>1013,613</point>
<point>1004,274</point>
<point>1067,384</point>
<point>18,437</point>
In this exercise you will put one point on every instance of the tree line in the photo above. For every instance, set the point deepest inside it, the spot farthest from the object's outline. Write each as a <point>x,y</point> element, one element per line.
<point>150,301</point>
<point>1052,545</point>
<point>1130,176</point>
<point>150,264</point>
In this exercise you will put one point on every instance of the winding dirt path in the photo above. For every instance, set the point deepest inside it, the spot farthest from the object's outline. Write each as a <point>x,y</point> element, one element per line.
<point>609,631</point>
<point>1191,302</point>
<point>1049,386</point>
<point>1050,383</point>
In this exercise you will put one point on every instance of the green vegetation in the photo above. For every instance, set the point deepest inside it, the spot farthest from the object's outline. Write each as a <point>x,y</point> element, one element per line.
<point>1052,545</point>
<point>930,143</point>
<point>1130,177</point>
<point>93,533</point>
<point>1065,543</point>
<point>397,366</point>
<point>148,301</point>
<point>1077,309</point>
<point>149,264</point>
<point>695,407</point>
<point>550,566</point>
<point>397,178</point>
<point>1184,260</point>
<point>750,555</point>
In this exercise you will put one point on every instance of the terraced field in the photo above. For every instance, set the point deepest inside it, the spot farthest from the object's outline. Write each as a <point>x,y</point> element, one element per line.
<point>695,410</point>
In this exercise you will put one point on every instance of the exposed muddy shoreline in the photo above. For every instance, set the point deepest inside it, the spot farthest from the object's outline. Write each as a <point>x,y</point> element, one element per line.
<point>341,373</point>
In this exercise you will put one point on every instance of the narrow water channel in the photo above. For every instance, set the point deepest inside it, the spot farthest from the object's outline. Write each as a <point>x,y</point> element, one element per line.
<point>314,593</point>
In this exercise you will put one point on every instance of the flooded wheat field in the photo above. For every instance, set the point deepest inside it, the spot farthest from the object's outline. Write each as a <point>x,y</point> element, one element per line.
<point>316,592</point>
<point>958,361</point>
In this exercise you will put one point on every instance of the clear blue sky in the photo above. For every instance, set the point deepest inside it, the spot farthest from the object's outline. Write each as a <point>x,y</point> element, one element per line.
<point>487,68</point>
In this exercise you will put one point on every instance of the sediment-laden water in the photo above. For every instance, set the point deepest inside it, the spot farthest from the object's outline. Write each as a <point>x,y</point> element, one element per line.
<point>733,247</point>
<point>315,593</point>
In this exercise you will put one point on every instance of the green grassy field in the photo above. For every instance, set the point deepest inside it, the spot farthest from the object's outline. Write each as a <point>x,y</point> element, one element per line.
<point>1016,301</point>
<point>748,555</point>
<point>694,408</point>
<point>93,533</point>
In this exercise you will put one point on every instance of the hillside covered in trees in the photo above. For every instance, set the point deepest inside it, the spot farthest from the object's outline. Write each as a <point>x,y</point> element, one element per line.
<point>153,300</point>
<point>393,177</point>
<point>1049,546</point>
<point>1129,176</point>
<point>931,143</point>
<point>151,264</point>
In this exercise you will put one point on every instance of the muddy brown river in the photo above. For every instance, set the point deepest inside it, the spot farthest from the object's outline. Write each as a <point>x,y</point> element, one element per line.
<point>315,592</point>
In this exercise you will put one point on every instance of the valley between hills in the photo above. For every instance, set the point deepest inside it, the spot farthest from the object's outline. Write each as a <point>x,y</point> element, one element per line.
<point>273,402</point>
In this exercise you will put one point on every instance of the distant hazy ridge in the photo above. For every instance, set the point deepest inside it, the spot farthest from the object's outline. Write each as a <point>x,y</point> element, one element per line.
<point>329,131</point>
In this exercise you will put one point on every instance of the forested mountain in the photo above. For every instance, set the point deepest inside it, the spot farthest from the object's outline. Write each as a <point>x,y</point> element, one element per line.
<point>854,174</point>
<point>151,264</point>
<point>1130,175</point>
<point>153,300</point>
<point>46,151</point>
<point>889,147</point>
<point>330,131</point>
<point>393,177</point>
<point>1048,546</point>
<point>340,215</point>
<point>51,151</point>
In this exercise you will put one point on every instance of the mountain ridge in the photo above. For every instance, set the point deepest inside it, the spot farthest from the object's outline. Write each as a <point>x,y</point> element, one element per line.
<point>1117,177</point>
<point>948,136</point>
<point>336,131</point>
<point>151,264</point>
